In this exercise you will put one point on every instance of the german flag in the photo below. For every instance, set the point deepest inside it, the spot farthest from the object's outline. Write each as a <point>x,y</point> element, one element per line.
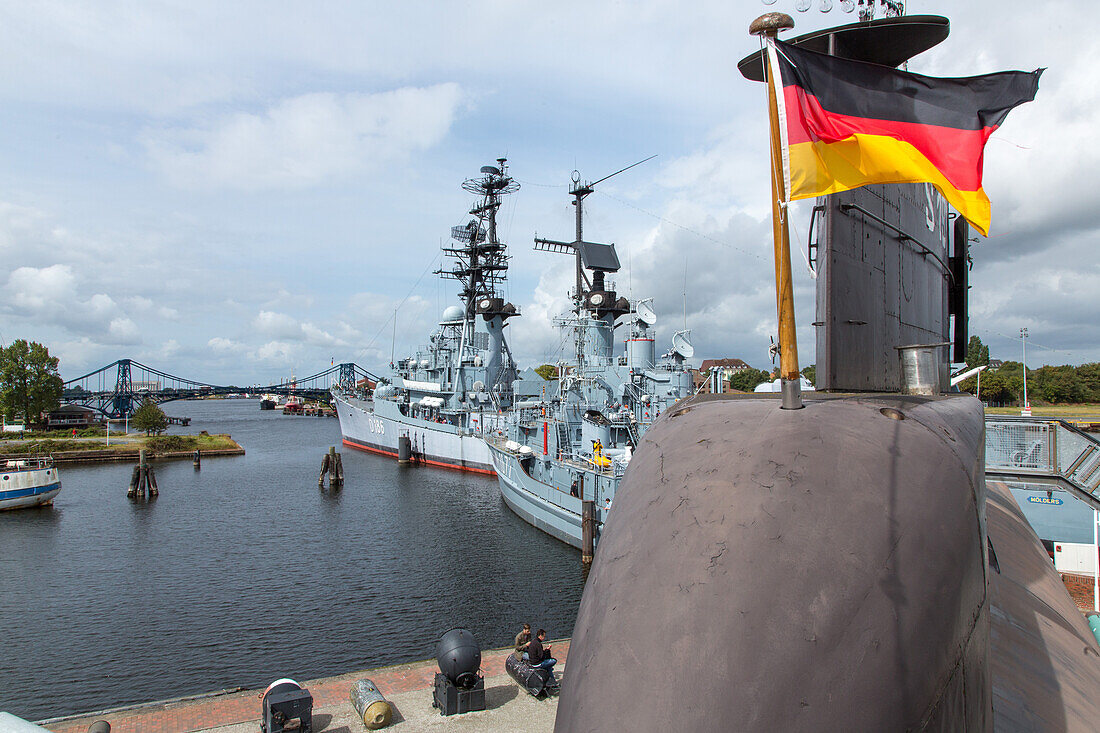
<point>849,124</point>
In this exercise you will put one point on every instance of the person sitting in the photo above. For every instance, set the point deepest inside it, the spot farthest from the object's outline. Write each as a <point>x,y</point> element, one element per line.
<point>537,654</point>
<point>522,639</point>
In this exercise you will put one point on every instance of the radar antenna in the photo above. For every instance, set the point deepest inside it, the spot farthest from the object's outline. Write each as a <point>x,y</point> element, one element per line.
<point>578,247</point>
<point>481,260</point>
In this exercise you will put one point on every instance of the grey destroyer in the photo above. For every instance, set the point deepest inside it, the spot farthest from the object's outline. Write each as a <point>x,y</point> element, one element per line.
<point>569,447</point>
<point>436,403</point>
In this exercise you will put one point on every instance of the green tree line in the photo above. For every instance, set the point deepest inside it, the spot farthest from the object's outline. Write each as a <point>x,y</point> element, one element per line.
<point>1052,384</point>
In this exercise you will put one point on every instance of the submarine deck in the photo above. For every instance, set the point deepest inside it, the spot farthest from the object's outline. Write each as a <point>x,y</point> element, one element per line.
<point>407,686</point>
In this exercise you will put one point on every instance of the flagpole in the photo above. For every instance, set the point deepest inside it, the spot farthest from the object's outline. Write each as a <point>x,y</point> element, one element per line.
<point>768,26</point>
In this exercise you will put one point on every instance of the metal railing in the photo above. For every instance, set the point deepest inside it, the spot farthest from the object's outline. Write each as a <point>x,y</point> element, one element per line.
<point>1038,450</point>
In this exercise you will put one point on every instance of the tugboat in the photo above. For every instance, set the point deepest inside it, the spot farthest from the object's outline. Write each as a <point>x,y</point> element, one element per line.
<point>436,404</point>
<point>573,446</point>
<point>28,482</point>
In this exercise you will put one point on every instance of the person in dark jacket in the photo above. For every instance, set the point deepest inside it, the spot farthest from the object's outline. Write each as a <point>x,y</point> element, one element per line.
<point>537,654</point>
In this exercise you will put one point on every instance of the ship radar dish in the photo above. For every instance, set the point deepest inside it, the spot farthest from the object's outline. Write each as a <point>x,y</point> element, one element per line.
<point>682,345</point>
<point>645,312</point>
<point>493,182</point>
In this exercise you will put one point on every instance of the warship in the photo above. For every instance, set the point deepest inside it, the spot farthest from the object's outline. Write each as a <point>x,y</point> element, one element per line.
<point>434,405</point>
<point>568,448</point>
<point>844,561</point>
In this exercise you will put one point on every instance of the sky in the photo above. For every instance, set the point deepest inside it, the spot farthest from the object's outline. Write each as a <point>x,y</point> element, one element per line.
<point>235,192</point>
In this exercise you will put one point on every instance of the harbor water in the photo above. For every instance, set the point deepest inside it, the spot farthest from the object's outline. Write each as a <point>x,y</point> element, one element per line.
<point>243,571</point>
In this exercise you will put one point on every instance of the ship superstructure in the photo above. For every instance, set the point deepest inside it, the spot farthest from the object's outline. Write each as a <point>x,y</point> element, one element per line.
<point>457,385</point>
<point>573,443</point>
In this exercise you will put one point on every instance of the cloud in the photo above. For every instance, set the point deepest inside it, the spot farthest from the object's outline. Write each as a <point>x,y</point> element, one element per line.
<point>280,325</point>
<point>305,140</point>
<point>224,345</point>
<point>124,331</point>
<point>278,352</point>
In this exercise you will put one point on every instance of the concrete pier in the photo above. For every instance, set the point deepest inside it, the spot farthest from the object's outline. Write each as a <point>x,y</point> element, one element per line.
<point>407,686</point>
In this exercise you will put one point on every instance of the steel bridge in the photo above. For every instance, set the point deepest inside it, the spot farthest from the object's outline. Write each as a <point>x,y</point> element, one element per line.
<point>116,390</point>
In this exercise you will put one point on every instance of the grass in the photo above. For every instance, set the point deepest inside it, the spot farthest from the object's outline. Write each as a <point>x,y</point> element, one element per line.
<point>154,444</point>
<point>1074,412</point>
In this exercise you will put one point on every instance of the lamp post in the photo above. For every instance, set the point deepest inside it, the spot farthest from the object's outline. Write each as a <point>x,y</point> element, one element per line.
<point>1026,412</point>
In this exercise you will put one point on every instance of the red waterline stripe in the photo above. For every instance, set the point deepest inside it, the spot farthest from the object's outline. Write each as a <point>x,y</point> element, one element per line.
<point>440,464</point>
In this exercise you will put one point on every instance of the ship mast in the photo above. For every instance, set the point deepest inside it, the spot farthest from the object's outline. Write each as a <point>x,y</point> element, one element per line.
<point>481,262</point>
<point>768,26</point>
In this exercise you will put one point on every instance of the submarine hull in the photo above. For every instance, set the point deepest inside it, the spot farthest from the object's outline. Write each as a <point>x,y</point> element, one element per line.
<point>822,568</point>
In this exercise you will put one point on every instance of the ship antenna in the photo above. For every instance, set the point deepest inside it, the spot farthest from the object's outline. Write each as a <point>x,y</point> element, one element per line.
<point>578,192</point>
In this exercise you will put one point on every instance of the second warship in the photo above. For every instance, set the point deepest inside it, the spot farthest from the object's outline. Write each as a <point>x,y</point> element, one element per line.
<point>569,446</point>
<point>435,404</point>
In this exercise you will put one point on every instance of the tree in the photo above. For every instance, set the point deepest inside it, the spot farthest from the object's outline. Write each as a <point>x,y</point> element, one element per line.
<point>1090,377</point>
<point>810,373</point>
<point>995,387</point>
<point>547,371</point>
<point>747,379</point>
<point>29,381</point>
<point>977,353</point>
<point>149,418</point>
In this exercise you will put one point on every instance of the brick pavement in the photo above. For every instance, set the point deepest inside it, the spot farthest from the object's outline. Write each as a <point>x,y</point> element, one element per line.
<point>1080,589</point>
<point>330,695</point>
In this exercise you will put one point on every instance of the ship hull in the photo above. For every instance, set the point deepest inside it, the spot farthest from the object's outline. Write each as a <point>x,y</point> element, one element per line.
<point>541,505</point>
<point>375,428</point>
<point>23,489</point>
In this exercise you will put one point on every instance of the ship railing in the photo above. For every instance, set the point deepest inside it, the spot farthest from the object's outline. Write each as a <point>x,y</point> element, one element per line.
<point>1044,450</point>
<point>29,463</point>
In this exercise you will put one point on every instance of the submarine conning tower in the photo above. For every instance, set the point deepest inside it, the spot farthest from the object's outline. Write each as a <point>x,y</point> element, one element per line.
<point>822,568</point>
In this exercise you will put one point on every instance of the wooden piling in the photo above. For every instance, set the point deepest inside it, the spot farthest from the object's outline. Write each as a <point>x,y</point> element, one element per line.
<point>143,480</point>
<point>134,478</point>
<point>588,530</point>
<point>333,465</point>
<point>336,477</point>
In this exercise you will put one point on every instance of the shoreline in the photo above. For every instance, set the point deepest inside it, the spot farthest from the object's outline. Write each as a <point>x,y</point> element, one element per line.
<point>105,455</point>
<point>407,686</point>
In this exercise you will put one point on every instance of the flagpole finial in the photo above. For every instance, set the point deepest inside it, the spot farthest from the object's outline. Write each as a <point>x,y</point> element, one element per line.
<point>769,24</point>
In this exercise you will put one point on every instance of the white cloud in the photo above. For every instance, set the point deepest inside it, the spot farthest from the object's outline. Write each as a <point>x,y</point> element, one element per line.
<point>124,331</point>
<point>279,325</point>
<point>224,345</point>
<point>305,140</point>
<point>277,352</point>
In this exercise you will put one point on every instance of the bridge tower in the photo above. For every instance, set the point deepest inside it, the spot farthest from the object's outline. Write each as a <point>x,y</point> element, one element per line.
<point>122,401</point>
<point>347,376</point>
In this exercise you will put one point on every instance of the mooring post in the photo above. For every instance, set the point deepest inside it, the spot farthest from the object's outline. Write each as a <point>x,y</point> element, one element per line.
<point>143,474</point>
<point>135,476</point>
<point>336,480</point>
<point>588,530</point>
<point>326,466</point>
<point>196,460</point>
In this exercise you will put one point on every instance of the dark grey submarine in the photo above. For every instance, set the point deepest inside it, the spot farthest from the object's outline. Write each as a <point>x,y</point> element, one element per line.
<point>845,566</point>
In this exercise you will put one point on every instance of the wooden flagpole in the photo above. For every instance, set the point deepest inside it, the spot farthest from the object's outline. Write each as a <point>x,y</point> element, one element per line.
<point>768,26</point>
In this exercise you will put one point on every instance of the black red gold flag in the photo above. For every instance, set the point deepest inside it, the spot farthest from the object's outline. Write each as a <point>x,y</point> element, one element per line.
<point>848,124</point>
